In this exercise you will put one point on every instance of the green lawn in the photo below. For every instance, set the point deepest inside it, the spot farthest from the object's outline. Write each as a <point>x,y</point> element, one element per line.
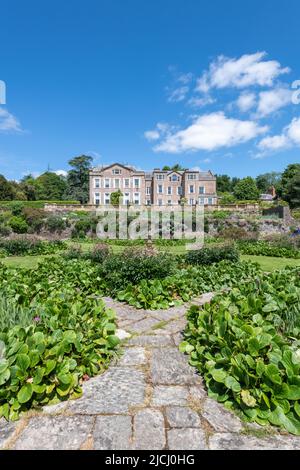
<point>269,263</point>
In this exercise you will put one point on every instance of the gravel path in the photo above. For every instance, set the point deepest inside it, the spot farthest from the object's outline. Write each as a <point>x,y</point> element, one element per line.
<point>149,399</point>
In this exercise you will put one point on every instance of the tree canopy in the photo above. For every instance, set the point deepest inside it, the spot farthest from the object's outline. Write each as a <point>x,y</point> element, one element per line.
<point>246,189</point>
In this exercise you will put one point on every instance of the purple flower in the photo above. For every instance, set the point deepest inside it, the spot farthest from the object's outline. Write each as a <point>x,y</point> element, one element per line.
<point>37,319</point>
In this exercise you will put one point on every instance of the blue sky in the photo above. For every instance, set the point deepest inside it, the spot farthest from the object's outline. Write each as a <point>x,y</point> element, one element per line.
<point>206,84</point>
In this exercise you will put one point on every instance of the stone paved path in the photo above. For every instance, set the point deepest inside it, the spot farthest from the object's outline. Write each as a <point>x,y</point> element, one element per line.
<point>149,399</point>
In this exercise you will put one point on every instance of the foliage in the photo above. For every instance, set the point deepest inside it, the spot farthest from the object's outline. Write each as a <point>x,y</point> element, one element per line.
<point>18,224</point>
<point>55,223</point>
<point>237,233</point>
<point>30,245</point>
<point>49,186</point>
<point>291,190</point>
<point>265,248</point>
<point>186,284</point>
<point>246,189</point>
<point>246,345</point>
<point>73,338</point>
<point>6,189</point>
<point>227,198</point>
<point>265,181</point>
<point>116,198</point>
<point>208,255</point>
<point>78,178</point>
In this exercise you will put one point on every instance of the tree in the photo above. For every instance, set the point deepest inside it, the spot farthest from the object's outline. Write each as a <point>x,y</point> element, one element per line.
<point>223,183</point>
<point>291,185</point>
<point>28,186</point>
<point>265,181</point>
<point>78,179</point>
<point>176,167</point>
<point>6,190</point>
<point>246,189</point>
<point>115,197</point>
<point>50,187</point>
<point>234,182</point>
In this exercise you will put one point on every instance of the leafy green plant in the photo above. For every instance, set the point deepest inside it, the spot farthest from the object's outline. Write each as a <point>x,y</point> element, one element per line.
<point>208,255</point>
<point>246,345</point>
<point>18,224</point>
<point>265,248</point>
<point>47,361</point>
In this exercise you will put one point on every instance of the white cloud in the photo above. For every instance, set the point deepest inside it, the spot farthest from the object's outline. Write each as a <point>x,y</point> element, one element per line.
<point>210,132</point>
<point>178,94</point>
<point>290,137</point>
<point>246,101</point>
<point>206,160</point>
<point>248,70</point>
<point>272,100</point>
<point>197,102</point>
<point>152,135</point>
<point>8,122</point>
<point>185,78</point>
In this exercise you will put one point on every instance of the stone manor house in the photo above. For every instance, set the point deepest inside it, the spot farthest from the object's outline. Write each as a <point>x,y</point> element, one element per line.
<point>158,187</point>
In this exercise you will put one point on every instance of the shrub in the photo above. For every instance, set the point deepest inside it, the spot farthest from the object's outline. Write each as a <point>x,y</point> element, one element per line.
<point>5,230</point>
<point>16,208</point>
<point>99,252</point>
<point>34,218</point>
<point>247,348</point>
<point>133,265</point>
<point>30,245</point>
<point>209,255</point>
<point>18,224</point>
<point>74,252</point>
<point>265,248</point>
<point>55,224</point>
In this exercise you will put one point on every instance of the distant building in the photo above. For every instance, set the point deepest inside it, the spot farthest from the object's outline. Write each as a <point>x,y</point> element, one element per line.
<point>158,187</point>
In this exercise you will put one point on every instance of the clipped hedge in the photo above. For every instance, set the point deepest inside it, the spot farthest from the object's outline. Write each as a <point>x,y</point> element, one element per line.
<point>29,246</point>
<point>246,344</point>
<point>265,248</point>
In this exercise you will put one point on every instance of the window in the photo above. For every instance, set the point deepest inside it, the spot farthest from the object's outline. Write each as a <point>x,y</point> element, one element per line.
<point>160,177</point>
<point>97,183</point>
<point>117,183</point>
<point>192,176</point>
<point>192,202</point>
<point>126,182</point>
<point>210,200</point>
<point>160,189</point>
<point>107,183</point>
<point>148,190</point>
<point>136,182</point>
<point>107,198</point>
<point>137,198</point>
<point>148,202</point>
<point>175,178</point>
<point>160,203</point>
<point>169,202</point>
<point>201,190</point>
<point>169,189</point>
<point>117,171</point>
<point>97,199</point>
<point>179,190</point>
<point>201,201</point>
<point>191,188</point>
<point>126,198</point>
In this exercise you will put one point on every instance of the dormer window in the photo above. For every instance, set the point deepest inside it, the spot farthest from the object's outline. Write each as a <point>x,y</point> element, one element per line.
<point>117,171</point>
<point>192,176</point>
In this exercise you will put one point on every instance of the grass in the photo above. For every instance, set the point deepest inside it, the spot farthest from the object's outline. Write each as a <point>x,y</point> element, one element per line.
<point>267,263</point>
<point>270,263</point>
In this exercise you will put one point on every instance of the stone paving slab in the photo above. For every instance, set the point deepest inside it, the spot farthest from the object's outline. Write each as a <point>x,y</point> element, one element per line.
<point>151,341</point>
<point>113,433</point>
<point>182,417</point>
<point>169,366</point>
<point>220,418</point>
<point>133,357</point>
<point>7,429</point>
<point>187,439</point>
<point>55,433</point>
<point>228,441</point>
<point>164,395</point>
<point>116,391</point>
<point>142,326</point>
<point>149,430</point>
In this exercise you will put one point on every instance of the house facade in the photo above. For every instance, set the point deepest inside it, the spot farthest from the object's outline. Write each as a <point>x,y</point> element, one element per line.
<point>158,187</point>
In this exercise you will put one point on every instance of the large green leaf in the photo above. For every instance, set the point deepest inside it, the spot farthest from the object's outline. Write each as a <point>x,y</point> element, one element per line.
<point>25,393</point>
